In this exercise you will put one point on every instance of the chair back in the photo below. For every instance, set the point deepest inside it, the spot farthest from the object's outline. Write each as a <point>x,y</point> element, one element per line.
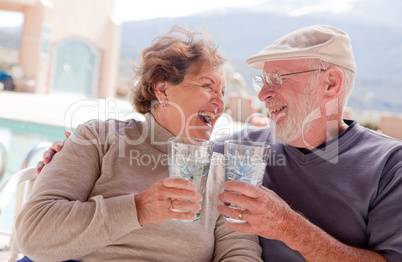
<point>16,181</point>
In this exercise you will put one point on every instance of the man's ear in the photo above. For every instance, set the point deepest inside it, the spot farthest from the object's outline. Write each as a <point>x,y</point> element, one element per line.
<point>334,80</point>
<point>160,91</point>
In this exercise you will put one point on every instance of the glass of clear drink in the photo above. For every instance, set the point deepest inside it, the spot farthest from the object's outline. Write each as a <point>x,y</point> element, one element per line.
<point>245,161</point>
<point>190,158</point>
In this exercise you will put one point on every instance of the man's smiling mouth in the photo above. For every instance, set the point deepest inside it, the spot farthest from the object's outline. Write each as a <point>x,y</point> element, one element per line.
<point>273,110</point>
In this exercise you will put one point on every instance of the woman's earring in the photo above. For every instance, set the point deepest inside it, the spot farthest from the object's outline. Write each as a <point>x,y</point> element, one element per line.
<point>165,102</point>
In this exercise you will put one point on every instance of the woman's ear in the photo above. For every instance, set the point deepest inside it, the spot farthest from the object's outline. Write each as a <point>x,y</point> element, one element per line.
<point>160,91</point>
<point>334,82</point>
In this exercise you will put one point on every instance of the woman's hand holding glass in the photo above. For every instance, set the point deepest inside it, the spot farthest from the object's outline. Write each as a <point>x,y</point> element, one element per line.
<point>155,204</point>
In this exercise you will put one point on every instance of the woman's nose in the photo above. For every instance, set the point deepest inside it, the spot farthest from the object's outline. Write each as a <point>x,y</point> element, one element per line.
<point>219,99</point>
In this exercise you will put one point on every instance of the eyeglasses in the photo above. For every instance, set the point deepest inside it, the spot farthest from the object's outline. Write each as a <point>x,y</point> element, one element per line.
<point>274,80</point>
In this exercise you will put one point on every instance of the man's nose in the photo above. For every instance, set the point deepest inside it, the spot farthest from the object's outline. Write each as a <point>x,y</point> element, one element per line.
<point>266,93</point>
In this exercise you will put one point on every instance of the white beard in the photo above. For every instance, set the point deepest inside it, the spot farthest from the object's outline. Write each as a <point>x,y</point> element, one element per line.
<point>296,121</point>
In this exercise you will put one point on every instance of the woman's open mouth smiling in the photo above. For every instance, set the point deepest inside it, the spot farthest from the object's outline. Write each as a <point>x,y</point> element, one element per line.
<point>206,117</point>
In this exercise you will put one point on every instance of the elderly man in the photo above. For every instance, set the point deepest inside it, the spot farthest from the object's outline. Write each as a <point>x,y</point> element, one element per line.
<point>332,189</point>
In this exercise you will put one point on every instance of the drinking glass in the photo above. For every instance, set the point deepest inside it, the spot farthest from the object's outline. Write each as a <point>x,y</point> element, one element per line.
<point>190,158</point>
<point>245,161</point>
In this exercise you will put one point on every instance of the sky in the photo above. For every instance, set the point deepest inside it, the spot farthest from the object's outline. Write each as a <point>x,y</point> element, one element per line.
<point>127,10</point>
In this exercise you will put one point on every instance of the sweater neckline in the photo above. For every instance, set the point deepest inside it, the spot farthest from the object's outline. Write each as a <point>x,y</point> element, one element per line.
<point>330,150</point>
<point>156,135</point>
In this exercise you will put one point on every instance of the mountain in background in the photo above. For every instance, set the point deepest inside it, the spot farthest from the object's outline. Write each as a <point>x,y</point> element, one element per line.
<point>374,26</point>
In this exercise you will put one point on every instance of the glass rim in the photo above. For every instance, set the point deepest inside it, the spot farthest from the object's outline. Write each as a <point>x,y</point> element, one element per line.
<point>247,143</point>
<point>181,139</point>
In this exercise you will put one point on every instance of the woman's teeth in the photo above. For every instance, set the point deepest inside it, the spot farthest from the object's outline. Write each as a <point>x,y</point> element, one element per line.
<point>206,117</point>
<point>276,109</point>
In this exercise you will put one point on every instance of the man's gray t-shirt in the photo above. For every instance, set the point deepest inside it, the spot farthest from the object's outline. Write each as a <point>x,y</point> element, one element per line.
<point>351,188</point>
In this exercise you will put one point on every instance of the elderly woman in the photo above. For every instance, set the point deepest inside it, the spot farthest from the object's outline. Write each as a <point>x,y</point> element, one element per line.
<point>94,203</point>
